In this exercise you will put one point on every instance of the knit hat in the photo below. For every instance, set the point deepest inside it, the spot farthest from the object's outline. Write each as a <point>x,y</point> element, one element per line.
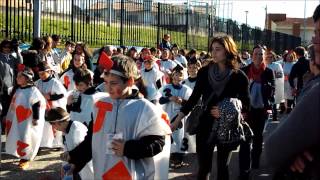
<point>57,115</point>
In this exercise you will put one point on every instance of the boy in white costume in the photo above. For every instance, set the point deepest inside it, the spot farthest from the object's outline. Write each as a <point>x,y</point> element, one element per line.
<point>152,78</point>
<point>166,65</point>
<point>67,77</point>
<point>173,95</point>
<point>25,119</point>
<point>55,95</point>
<point>127,130</point>
<point>73,134</point>
<point>80,101</point>
<point>189,141</point>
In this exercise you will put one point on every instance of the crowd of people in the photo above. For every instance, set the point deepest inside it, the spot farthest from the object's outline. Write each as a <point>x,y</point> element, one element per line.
<point>126,115</point>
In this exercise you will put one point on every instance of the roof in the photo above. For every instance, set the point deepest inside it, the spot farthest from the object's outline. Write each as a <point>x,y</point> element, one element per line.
<point>291,21</point>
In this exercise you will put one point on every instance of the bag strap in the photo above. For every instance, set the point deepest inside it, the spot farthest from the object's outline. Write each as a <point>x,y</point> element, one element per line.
<point>205,104</point>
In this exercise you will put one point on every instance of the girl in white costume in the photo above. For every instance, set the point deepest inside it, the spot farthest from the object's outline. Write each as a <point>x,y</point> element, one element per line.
<point>166,65</point>
<point>25,119</point>
<point>173,95</point>
<point>67,77</point>
<point>127,130</point>
<point>73,132</point>
<point>55,95</point>
<point>152,78</point>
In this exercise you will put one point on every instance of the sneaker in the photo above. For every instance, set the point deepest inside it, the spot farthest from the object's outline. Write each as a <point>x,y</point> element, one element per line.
<point>24,164</point>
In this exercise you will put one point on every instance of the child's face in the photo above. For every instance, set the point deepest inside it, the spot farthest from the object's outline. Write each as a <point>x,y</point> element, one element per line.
<point>115,86</point>
<point>192,70</point>
<point>177,78</point>
<point>148,64</point>
<point>82,87</point>
<point>57,126</point>
<point>21,79</point>
<point>78,60</point>
<point>44,75</point>
<point>165,54</point>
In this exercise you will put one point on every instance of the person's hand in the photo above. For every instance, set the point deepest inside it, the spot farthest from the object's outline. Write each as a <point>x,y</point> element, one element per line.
<point>70,99</point>
<point>173,98</point>
<point>65,156</point>
<point>178,100</point>
<point>299,163</point>
<point>215,112</point>
<point>47,96</point>
<point>117,146</point>
<point>175,123</point>
<point>34,122</point>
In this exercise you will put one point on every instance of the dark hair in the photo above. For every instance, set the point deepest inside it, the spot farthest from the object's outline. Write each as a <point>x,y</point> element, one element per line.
<point>300,50</point>
<point>258,46</point>
<point>55,37</point>
<point>175,46</point>
<point>4,43</point>
<point>70,43</point>
<point>153,50</point>
<point>316,14</point>
<point>230,47</point>
<point>37,44</point>
<point>55,114</point>
<point>82,75</point>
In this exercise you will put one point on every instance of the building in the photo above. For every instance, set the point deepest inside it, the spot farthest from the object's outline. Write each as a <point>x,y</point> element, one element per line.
<point>292,26</point>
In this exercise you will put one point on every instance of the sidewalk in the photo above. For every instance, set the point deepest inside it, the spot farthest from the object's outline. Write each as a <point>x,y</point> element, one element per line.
<point>46,166</point>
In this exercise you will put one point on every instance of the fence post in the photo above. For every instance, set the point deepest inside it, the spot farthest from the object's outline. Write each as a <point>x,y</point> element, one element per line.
<point>121,22</point>
<point>187,24</point>
<point>209,30</point>
<point>36,19</point>
<point>72,21</point>
<point>7,18</point>
<point>158,25</point>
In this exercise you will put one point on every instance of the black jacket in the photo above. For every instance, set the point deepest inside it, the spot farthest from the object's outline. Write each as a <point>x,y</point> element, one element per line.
<point>236,87</point>
<point>298,70</point>
<point>267,85</point>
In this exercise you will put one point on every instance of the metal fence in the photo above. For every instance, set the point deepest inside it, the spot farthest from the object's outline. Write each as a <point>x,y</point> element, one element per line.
<point>130,23</point>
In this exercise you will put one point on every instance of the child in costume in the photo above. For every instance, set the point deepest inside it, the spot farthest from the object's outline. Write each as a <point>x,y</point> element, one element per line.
<point>189,141</point>
<point>73,134</point>
<point>55,95</point>
<point>127,131</point>
<point>67,77</point>
<point>173,96</point>
<point>152,78</point>
<point>167,65</point>
<point>80,101</point>
<point>25,119</point>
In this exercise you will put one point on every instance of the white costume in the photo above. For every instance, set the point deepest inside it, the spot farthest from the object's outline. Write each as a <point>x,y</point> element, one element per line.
<point>150,78</point>
<point>67,79</point>
<point>166,66</point>
<point>86,107</point>
<point>50,137</point>
<point>73,138</point>
<point>287,66</point>
<point>279,81</point>
<point>23,139</point>
<point>190,142</point>
<point>173,109</point>
<point>129,119</point>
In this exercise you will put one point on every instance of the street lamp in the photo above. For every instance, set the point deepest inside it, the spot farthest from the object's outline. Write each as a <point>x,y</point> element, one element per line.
<point>246,17</point>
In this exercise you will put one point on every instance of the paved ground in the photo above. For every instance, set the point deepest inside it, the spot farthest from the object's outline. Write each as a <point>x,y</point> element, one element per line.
<point>46,166</point>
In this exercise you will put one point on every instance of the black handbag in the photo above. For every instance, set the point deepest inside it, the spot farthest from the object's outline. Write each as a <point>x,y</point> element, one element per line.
<point>193,120</point>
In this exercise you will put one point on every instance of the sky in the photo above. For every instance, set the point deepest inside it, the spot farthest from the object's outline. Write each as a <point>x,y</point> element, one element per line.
<point>235,9</point>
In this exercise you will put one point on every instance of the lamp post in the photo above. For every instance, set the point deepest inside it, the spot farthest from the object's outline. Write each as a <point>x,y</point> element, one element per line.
<point>246,17</point>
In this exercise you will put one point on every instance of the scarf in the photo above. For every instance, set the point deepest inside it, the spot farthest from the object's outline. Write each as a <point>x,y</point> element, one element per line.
<point>218,79</point>
<point>255,73</point>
